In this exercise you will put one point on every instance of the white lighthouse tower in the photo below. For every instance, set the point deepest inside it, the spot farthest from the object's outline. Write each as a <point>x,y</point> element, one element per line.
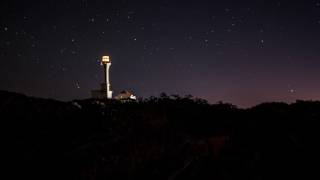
<point>105,92</point>
<point>106,62</point>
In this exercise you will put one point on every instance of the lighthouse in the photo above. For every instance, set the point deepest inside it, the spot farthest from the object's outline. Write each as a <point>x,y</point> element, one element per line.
<point>105,91</point>
<point>106,84</point>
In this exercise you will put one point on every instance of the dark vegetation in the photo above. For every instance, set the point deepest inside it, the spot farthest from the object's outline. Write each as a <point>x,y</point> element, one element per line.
<point>170,137</point>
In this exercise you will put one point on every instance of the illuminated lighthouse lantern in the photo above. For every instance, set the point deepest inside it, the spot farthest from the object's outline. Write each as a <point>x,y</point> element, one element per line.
<point>105,92</point>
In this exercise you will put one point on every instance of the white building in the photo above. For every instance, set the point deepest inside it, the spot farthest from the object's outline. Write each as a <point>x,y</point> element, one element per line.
<point>125,95</point>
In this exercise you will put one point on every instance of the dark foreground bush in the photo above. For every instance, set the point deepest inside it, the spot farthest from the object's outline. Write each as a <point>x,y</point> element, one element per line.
<point>170,137</point>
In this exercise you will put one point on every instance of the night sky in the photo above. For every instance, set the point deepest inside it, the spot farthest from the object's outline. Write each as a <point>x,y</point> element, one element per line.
<point>241,52</point>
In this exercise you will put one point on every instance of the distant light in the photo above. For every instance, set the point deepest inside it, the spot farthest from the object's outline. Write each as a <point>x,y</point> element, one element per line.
<point>105,59</point>
<point>77,85</point>
<point>133,97</point>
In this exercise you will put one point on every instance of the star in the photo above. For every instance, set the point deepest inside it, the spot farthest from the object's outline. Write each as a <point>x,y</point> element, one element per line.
<point>62,50</point>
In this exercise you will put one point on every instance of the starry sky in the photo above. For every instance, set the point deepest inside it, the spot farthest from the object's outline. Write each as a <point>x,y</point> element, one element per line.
<point>241,52</point>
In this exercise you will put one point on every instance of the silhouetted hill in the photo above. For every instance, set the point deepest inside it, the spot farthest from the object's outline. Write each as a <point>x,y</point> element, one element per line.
<point>169,137</point>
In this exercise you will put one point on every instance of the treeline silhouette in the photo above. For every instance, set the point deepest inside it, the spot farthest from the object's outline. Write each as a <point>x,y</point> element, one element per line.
<point>166,137</point>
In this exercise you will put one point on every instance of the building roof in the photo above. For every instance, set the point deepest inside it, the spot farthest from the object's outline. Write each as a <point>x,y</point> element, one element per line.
<point>125,95</point>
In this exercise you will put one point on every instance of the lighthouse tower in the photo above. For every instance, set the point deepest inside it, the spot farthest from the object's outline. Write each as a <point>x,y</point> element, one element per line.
<point>105,86</point>
<point>105,92</point>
